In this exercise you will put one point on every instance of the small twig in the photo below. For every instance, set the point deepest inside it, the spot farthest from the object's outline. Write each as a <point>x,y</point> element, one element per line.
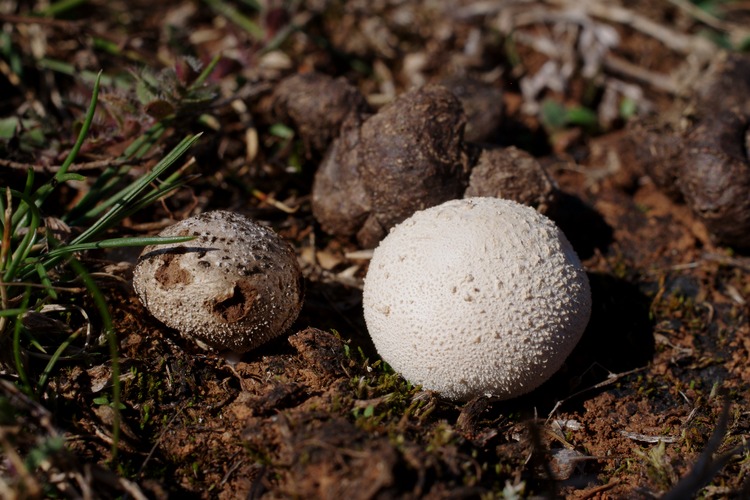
<point>636,436</point>
<point>735,31</point>
<point>611,379</point>
<point>740,262</point>
<point>76,167</point>
<point>623,67</point>
<point>600,489</point>
<point>48,21</point>
<point>232,469</point>
<point>158,439</point>
<point>686,44</point>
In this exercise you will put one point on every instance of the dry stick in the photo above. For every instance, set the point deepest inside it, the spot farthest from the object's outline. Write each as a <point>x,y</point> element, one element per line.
<point>6,70</point>
<point>623,67</point>
<point>739,262</point>
<point>48,21</point>
<point>76,167</point>
<point>674,40</point>
<point>574,14</point>
<point>611,379</point>
<point>577,10</point>
<point>159,438</point>
<point>733,30</point>
<point>599,489</point>
<point>4,249</point>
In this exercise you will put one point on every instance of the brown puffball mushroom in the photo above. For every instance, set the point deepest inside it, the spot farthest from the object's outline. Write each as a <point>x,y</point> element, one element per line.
<point>512,174</point>
<point>406,157</point>
<point>234,287</point>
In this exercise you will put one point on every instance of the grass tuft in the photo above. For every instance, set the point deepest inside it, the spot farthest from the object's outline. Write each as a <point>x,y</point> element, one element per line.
<point>36,263</point>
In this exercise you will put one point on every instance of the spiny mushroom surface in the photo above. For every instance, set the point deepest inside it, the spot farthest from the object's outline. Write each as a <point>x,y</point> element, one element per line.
<point>480,296</point>
<point>232,288</point>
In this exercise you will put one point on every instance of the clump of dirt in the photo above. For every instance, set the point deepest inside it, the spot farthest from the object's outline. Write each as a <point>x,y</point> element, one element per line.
<point>406,157</point>
<point>700,150</point>
<point>412,154</point>
<point>317,106</point>
<point>482,103</point>
<point>513,174</point>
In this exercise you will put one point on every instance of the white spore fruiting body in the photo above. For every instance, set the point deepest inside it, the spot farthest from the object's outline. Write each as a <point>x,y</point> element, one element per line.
<point>476,297</point>
<point>232,288</point>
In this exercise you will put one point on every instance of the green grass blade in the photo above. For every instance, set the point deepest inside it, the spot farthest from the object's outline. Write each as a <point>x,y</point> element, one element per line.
<point>60,7</point>
<point>144,143</point>
<point>83,132</point>
<point>2,214</point>
<point>104,186</point>
<point>42,382</point>
<point>154,195</point>
<point>113,198</point>
<point>17,358</point>
<point>46,282</point>
<point>128,195</point>
<point>8,313</point>
<point>20,254</point>
<point>206,72</point>
<point>29,182</point>
<point>45,190</point>
<point>69,69</point>
<point>225,9</point>
<point>109,331</point>
<point>68,250</point>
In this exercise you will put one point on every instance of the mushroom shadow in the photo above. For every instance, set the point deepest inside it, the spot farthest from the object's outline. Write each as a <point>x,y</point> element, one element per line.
<point>619,338</point>
<point>620,334</point>
<point>332,306</point>
<point>584,227</point>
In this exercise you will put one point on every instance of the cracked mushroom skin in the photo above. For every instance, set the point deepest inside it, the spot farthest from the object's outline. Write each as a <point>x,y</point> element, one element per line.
<point>234,287</point>
<point>476,297</point>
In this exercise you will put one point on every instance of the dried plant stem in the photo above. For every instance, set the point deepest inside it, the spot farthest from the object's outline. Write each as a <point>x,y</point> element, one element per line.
<point>77,167</point>
<point>4,249</point>
<point>672,39</point>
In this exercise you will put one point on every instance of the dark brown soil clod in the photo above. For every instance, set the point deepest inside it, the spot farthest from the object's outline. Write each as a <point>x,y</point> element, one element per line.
<point>699,151</point>
<point>407,157</point>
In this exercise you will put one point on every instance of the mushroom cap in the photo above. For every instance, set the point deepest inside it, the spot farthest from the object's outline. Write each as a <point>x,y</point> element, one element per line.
<point>232,288</point>
<point>480,296</point>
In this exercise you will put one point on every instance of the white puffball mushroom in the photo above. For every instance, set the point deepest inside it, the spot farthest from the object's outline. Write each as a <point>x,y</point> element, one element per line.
<point>476,297</point>
<point>234,287</point>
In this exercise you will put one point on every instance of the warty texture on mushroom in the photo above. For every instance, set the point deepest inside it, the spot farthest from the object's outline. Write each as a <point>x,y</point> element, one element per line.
<point>476,297</point>
<point>234,287</point>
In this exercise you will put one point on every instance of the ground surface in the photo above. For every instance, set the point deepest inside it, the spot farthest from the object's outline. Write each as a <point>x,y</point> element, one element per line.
<point>657,388</point>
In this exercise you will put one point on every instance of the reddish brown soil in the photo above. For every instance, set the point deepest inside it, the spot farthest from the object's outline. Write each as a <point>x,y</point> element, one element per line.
<point>658,389</point>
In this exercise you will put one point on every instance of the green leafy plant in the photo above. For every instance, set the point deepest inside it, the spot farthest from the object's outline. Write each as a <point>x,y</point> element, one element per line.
<point>556,116</point>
